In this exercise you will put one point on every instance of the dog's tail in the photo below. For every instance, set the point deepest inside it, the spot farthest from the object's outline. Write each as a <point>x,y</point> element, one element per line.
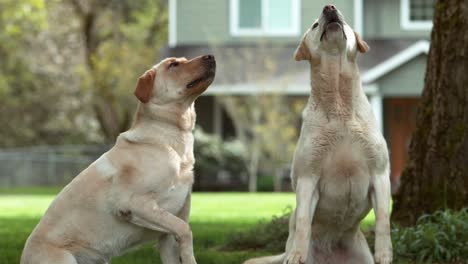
<point>278,259</point>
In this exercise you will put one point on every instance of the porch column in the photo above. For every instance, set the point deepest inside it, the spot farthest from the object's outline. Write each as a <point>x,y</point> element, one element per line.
<point>376,101</point>
<point>217,117</point>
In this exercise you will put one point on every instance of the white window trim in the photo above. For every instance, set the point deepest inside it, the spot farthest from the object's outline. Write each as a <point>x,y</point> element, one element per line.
<point>358,17</point>
<point>407,23</point>
<point>172,23</point>
<point>239,32</point>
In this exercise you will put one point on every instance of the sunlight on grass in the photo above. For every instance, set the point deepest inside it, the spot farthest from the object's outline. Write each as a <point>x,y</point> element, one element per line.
<point>206,207</point>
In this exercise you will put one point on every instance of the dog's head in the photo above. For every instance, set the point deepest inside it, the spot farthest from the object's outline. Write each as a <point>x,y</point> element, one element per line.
<point>329,34</point>
<point>176,80</point>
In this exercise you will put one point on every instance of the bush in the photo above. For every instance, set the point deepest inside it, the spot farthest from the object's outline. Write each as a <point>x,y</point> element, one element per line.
<point>266,235</point>
<point>438,238</point>
<point>213,154</point>
<point>265,183</point>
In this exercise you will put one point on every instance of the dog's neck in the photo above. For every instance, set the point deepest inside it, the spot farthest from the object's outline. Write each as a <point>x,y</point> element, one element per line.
<point>180,116</point>
<point>156,124</point>
<point>335,84</point>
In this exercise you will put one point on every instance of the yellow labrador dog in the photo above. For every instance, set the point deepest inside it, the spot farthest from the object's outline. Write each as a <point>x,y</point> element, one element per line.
<point>140,189</point>
<point>340,168</point>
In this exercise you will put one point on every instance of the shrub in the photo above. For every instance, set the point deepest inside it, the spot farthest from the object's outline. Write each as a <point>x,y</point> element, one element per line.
<point>213,154</point>
<point>265,183</point>
<point>266,235</point>
<point>438,238</point>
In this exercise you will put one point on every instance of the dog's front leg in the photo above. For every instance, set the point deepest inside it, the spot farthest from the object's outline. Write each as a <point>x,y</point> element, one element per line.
<point>380,197</point>
<point>168,247</point>
<point>143,210</point>
<point>306,200</point>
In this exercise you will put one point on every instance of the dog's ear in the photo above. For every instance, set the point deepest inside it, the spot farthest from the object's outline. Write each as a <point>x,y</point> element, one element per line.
<point>144,87</point>
<point>302,52</point>
<point>361,44</point>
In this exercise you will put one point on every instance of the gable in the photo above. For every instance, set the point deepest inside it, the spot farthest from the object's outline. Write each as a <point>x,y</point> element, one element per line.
<point>405,81</point>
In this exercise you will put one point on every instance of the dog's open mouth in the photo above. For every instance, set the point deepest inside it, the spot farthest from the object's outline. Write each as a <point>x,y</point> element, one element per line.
<point>209,75</point>
<point>333,23</point>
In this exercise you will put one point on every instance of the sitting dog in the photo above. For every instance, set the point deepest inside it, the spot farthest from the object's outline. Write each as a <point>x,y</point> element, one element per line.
<point>140,189</point>
<point>340,167</point>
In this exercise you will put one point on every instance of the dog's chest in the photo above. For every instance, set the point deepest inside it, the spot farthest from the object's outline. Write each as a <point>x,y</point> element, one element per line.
<point>345,179</point>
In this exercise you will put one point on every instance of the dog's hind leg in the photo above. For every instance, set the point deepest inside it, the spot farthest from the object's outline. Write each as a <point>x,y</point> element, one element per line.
<point>292,231</point>
<point>169,249</point>
<point>352,249</point>
<point>36,253</point>
<point>359,250</point>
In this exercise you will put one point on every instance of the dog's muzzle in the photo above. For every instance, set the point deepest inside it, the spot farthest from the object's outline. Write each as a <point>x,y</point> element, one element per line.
<point>333,21</point>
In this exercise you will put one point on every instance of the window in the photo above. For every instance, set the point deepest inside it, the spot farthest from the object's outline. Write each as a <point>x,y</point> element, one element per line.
<point>265,17</point>
<point>421,10</point>
<point>417,14</point>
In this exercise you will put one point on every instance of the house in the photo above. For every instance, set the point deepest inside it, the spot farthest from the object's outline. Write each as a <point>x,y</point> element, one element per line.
<point>392,72</point>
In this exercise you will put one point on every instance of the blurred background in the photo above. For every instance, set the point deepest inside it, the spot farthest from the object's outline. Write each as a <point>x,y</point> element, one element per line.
<point>68,69</point>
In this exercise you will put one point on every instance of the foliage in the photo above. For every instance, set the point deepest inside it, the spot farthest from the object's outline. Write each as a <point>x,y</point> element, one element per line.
<point>213,154</point>
<point>438,238</point>
<point>265,235</point>
<point>32,77</point>
<point>68,67</point>
<point>120,41</point>
<point>265,183</point>
<point>267,124</point>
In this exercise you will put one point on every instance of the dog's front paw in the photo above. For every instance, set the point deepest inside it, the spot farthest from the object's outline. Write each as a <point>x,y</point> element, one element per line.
<point>296,257</point>
<point>383,257</point>
<point>383,250</point>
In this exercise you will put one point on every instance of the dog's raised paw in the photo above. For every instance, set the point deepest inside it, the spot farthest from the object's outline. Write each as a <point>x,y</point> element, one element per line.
<point>383,257</point>
<point>295,257</point>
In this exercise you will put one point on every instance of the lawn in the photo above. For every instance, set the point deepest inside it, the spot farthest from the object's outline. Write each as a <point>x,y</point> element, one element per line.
<point>214,216</point>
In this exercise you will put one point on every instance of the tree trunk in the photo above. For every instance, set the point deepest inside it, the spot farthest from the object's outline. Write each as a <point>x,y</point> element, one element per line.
<point>253,169</point>
<point>436,176</point>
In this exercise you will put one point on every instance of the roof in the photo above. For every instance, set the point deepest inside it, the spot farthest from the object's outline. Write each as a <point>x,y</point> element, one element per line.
<point>257,67</point>
<point>397,59</point>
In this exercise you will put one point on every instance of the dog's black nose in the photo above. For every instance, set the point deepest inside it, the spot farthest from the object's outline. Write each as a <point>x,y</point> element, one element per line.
<point>329,8</point>
<point>208,57</point>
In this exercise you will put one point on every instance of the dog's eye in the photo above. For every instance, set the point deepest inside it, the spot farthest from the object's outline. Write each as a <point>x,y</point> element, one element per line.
<point>173,64</point>
<point>315,25</point>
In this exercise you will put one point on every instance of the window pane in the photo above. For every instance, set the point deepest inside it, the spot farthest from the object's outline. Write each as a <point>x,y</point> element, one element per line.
<point>421,10</point>
<point>279,14</point>
<point>250,14</point>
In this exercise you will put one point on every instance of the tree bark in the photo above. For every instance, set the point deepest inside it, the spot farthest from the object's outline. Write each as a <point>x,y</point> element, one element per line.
<point>436,176</point>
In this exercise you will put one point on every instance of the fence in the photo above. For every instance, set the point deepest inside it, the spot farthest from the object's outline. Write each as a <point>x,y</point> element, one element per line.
<point>45,165</point>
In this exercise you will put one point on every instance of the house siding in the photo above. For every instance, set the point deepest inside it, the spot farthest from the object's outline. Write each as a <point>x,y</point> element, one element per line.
<point>382,20</point>
<point>405,81</point>
<point>207,21</point>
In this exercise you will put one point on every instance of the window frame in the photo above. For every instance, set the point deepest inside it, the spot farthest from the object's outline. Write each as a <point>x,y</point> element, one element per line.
<point>236,31</point>
<point>407,23</point>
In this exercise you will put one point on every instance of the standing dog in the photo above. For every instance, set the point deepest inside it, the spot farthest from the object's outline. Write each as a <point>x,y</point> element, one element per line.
<point>340,167</point>
<point>140,189</point>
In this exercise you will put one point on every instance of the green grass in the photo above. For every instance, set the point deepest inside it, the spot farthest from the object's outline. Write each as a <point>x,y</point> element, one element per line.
<point>214,216</point>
